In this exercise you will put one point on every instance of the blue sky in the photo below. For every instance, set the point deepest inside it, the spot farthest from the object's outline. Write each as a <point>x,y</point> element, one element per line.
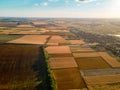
<point>61,8</point>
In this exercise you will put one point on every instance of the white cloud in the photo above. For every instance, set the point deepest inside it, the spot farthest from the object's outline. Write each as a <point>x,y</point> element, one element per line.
<point>36,4</point>
<point>44,4</point>
<point>53,0</point>
<point>85,1</point>
<point>67,1</point>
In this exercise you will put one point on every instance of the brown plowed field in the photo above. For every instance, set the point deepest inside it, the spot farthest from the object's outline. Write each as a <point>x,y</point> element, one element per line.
<point>57,39</point>
<point>80,55</point>
<point>58,50</point>
<point>26,32</point>
<point>102,80</point>
<point>68,79</point>
<point>57,30</point>
<point>78,42</point>
<point>113,86</point>
<point>62,62</point>
<point>91,63</point>
<point>31,39</point>
<point>110,60</point>
<point>22,67</point>
<point>81,49</point>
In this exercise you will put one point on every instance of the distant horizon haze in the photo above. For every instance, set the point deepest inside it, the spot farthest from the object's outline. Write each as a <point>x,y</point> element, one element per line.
<point>60,8</point>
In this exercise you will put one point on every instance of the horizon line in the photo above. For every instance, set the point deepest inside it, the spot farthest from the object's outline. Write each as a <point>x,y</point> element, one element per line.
<point>61,17</point>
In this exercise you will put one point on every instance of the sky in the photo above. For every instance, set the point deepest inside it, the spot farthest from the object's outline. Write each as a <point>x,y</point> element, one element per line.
<point>60,8</point>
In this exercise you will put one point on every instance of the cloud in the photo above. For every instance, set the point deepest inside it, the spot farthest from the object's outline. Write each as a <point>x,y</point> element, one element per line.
<point>85,1</point>
<point>53,0</point>
<point>44,4</point>
<point>36,4</point>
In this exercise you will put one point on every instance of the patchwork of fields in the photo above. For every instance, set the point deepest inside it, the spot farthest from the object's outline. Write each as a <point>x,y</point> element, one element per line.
<point>41,55</point>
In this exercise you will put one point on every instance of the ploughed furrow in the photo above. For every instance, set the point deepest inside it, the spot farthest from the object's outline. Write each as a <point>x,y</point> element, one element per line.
<point>23,67</point>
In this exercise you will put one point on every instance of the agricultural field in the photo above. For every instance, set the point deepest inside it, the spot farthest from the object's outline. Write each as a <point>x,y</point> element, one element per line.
<point>81,54</point>
<point>98,72</point>
<point>77,42</point>
<point>62,62</point>
<point>102,80</point>
<point>8,24</point>
<point>91,63</point>
<point>90,54</point>
<point>68,79</point>
<point>113,86</point>
<point>58,32</point>
<point>58,50</point>
<point>102,35</point>
<point>26,32</point>
<point>57,40</point>
<point>38,23</point>
<point>78,49</point>
<point>25,26</point>
<point>97,26</point>
<point>22,67</point>
<point>110,60</point>
<point>6,38</point>
<point>31,39</point>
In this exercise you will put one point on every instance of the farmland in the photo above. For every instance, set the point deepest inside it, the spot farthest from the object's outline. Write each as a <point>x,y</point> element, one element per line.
<point>59,54</point>
<point>22,68</point>
<point>92,63</point>
<point>57,40</point>
<point>31,39</point>
<point>68,79</point>
<point>64,62</point>
<point>6,38</point>
<point>58,51</point>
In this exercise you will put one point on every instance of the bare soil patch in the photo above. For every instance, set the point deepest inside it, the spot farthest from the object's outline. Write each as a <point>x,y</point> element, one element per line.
<point>58,50</point>
<point>68,79</point>
<point>90,54</point>
<point>57,40</point>
<point>62,62</point>
<point>102,80</point>
<point>77,42</point>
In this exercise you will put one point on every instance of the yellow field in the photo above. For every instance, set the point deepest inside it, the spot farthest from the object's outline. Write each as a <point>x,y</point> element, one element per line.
<point>92,54</point>
<point>112,61</point>
<point>56,40</point>
<point>68,79</point>
<point>78,49</point>
<point>6,31</point>
<point>114,86</point>
<point>58,50</point>
<point>78,42</point>
<point>91,63</point>
<point>56,30</point>
<point>101,80</point>
<point>31,39</point>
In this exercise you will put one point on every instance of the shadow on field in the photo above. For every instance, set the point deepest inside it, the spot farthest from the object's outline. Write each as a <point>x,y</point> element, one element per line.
<point>40,66</point>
